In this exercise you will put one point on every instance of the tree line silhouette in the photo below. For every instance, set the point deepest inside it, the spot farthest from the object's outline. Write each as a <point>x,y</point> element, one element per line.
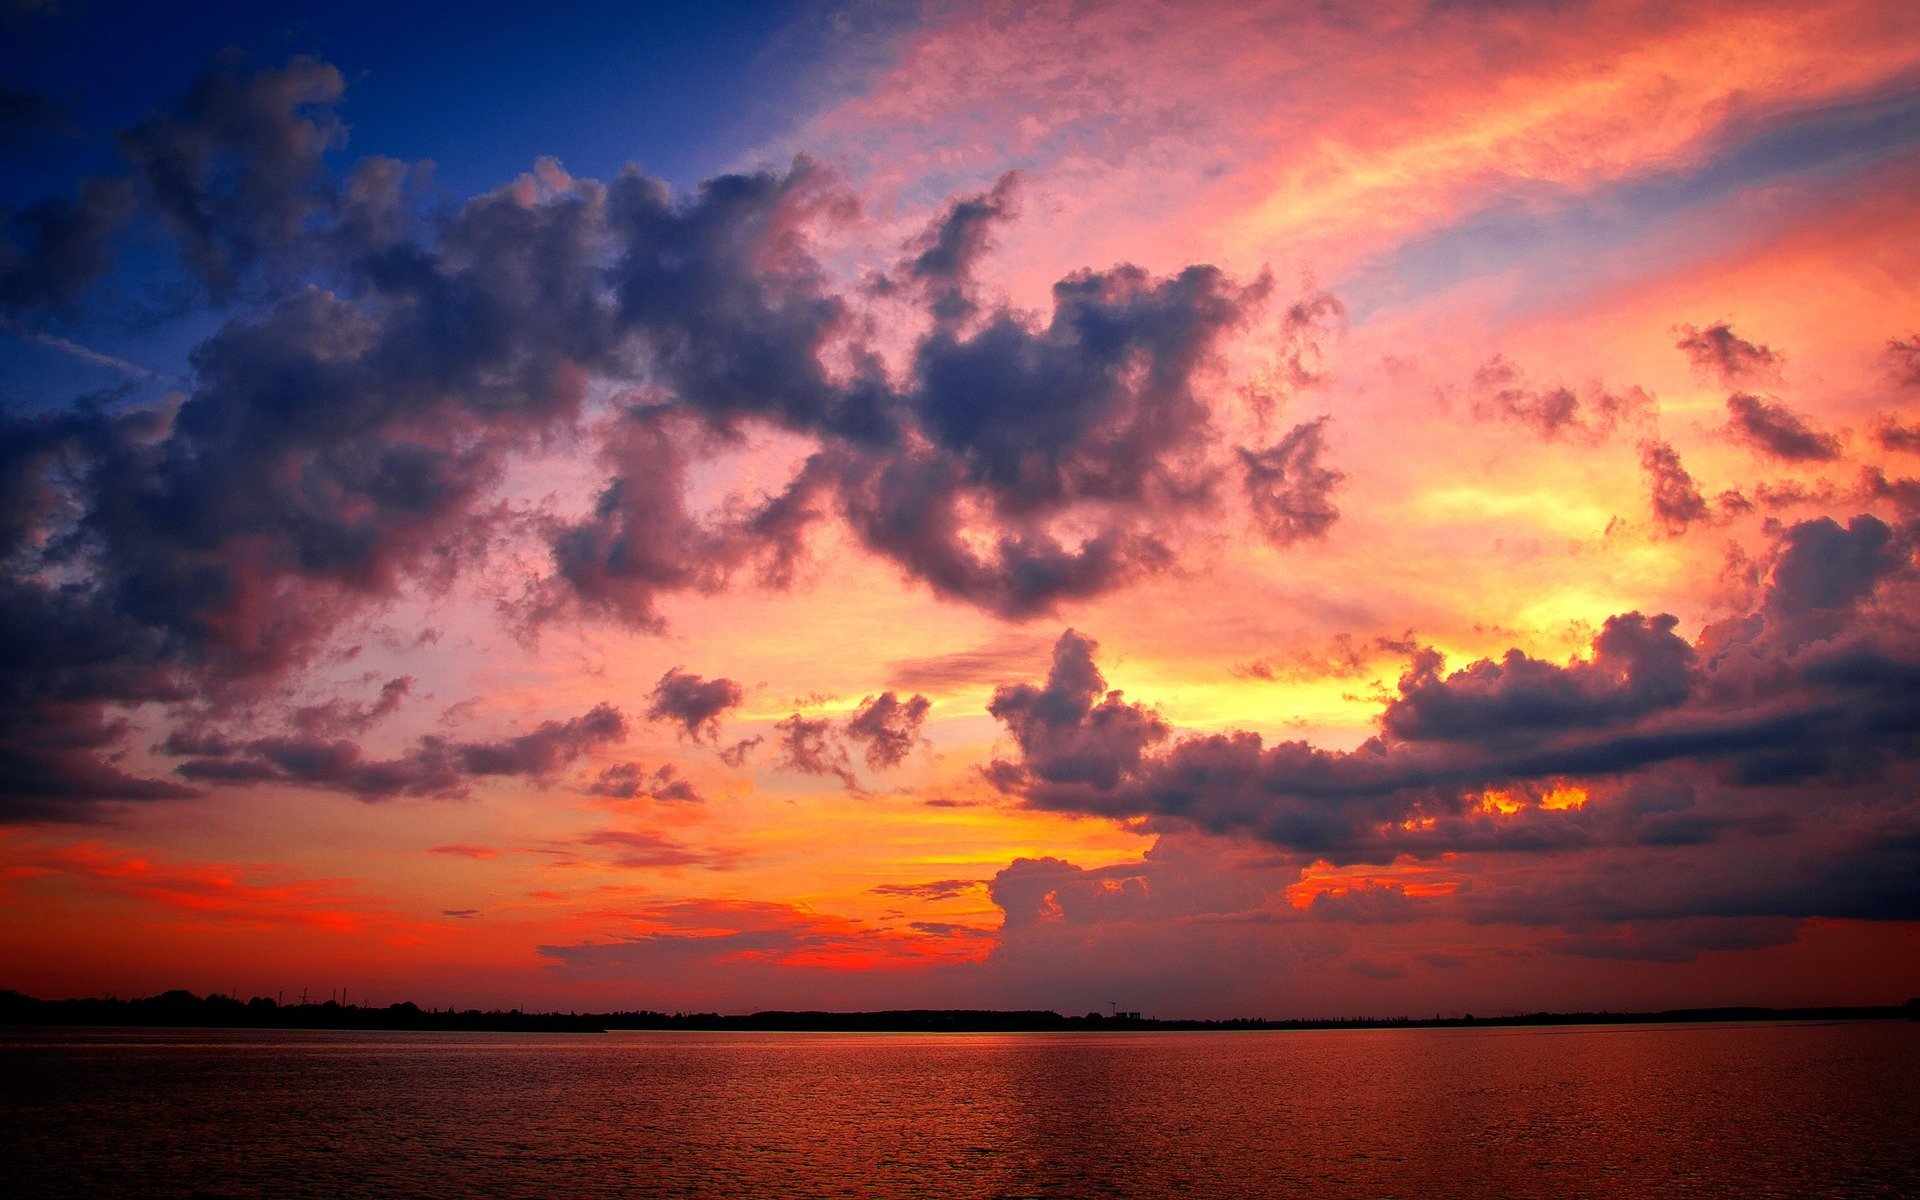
<point>184,1009</point>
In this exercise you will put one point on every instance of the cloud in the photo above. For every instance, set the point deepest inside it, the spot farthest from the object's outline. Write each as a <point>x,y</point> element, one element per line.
<point>24,116</point>
<point>51,251</point>
<point>943,259</point>
<point>434,766</point>
<point>1678,940</point>
<point>1095,414</point>
<point>223,895</point>
<point>1554,413</point>
<point>938,889</point>
<point>735,755</point>
<point>69,657</point>
<point>1892,435</point>
<point>1290,492</point>
<point>1809,690</point>
<point>1904,354</point>
<point>889,726</point>
<point>1721,352</point>
<point>336,716</point>
<point>1638,667</point>
<point>811,746</point>
<point>1773,429</point>
<point>1677,502</point>
<point>234,170</point>
<point>646,849</point>
<point>629,781</point>
<point>1344,657</point>
<point>1071,730</point>
<point>693,703</point>
<point>987,662</point>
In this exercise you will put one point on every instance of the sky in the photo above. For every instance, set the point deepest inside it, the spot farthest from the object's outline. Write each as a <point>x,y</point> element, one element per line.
<point>1288,509</point>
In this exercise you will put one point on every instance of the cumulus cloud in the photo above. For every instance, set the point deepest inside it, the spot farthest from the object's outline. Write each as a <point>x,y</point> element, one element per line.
<point>381,368</point>
<point>693,703</point>
<point>1811,688</point>
<point>234,168</point>
<point>50,251</point>
<point>1502,393</point>
<point>1719,351</point>
<point>889,727</point>
<point>1290,492</point>
<point>811,746</point>
<point>630,781</point>
<point>1071,730</point>
<point>943,258</point>
<point>1677,502</point>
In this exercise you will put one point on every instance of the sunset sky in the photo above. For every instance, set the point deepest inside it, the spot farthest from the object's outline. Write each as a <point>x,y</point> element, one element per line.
<point>1287,509</point>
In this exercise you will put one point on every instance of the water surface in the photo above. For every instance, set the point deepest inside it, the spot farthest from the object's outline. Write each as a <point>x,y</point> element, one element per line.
<point>1784,1110</point>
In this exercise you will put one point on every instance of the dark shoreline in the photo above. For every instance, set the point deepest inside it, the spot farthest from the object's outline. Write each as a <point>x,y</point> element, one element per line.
<point>184,1010</point>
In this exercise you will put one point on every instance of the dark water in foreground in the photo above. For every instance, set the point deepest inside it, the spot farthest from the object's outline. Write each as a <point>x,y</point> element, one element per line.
<point>1720,1110</point>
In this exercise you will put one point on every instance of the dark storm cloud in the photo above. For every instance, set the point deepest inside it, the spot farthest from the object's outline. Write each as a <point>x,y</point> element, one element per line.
<point>434,766</point>
<point>1677,502</point>
<point>693,703</point>
<point>1771,428</point>
<point>1720,351</point>
<point>889,727</point>
<point>1825,566</point>
<point>1813,688</point>
<point>1290,492</point>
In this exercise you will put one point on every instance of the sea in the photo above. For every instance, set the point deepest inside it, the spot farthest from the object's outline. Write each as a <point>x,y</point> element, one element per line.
<point>1740,1110</point>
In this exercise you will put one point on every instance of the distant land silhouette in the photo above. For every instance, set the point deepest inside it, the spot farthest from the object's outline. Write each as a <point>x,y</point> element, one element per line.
<point>185,1010</point>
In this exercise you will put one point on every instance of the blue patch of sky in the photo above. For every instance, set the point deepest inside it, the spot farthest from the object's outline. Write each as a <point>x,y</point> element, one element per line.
<point>1549,233</point>
<point>483,89</point>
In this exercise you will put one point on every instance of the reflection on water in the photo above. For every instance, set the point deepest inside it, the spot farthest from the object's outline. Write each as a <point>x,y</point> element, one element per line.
<point>1751,1110</point>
